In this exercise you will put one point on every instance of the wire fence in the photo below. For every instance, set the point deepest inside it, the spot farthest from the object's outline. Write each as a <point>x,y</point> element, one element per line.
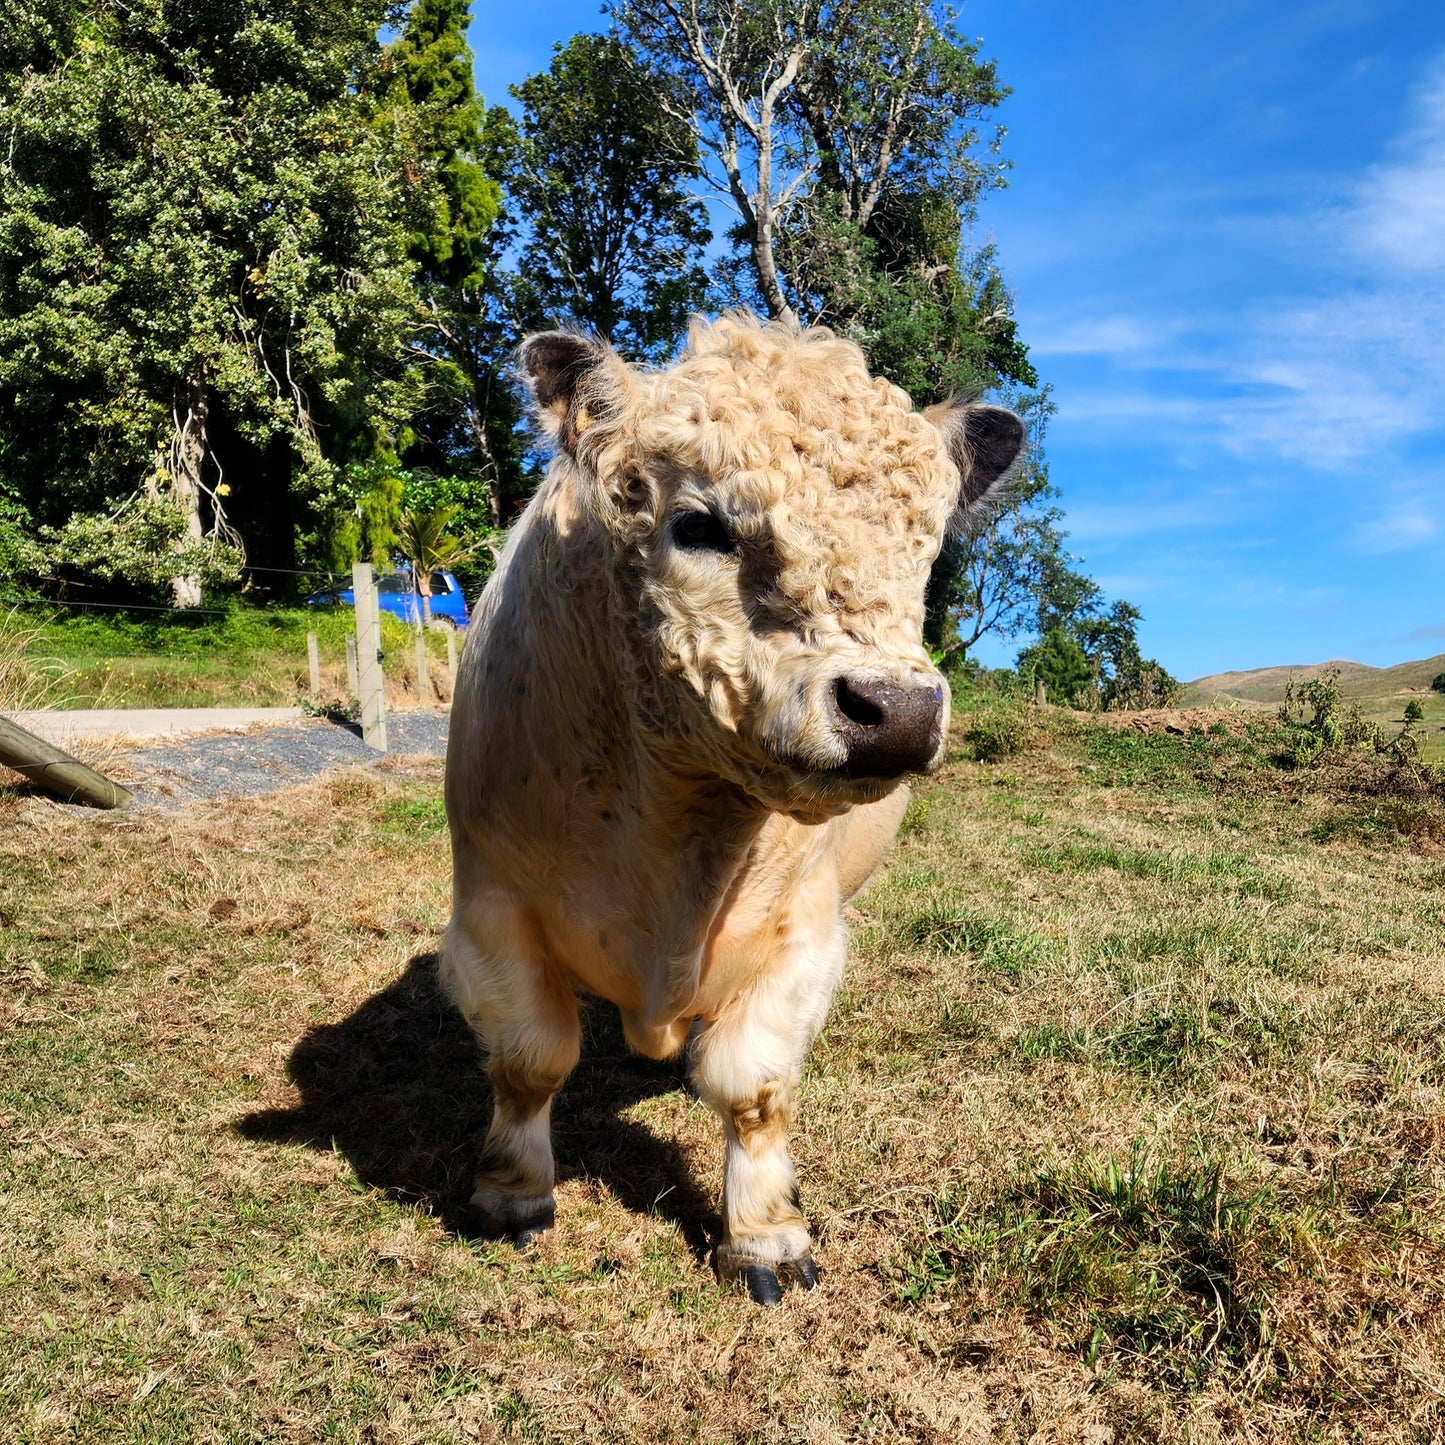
<point>18,600</point>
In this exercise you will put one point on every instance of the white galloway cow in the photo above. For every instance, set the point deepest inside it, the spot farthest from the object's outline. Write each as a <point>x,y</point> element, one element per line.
<point>689,698</point>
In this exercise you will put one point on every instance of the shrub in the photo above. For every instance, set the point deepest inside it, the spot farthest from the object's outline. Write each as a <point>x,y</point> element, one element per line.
<point>1317,722</point>
<point>1414,712</point>
<point>1057,661</point>
<point>1142,684</point>
<point>996,734</point>
<point>16,558</point>
<point>1437,683</point>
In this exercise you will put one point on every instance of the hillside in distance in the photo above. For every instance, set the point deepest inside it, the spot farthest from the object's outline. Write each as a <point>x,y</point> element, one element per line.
<point>1266,685</point>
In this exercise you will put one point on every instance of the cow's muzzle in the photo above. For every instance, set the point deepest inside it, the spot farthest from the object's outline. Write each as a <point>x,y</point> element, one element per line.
<point>888,730</point>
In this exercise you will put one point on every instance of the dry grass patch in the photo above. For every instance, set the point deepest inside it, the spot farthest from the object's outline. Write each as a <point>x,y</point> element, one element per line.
<point>1128,1125</point>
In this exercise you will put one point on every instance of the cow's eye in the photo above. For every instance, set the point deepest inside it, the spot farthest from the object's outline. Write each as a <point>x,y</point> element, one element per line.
<point>702,532</point>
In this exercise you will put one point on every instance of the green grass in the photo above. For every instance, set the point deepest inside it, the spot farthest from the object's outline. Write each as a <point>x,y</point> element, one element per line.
<point>1154,1251</point>
<point>245,657</point>
<point>1126,1125</point>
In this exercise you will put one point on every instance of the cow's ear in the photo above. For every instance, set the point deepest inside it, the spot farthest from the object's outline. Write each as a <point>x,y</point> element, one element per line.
<point>985,442</point>
<point>573,382</point>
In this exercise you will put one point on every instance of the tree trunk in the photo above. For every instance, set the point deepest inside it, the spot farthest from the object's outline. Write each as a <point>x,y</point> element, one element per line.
<point>188,456</point>
<point>767,269</point>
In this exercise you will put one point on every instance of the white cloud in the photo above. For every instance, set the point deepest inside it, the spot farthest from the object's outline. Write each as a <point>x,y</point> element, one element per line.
<point>1398,529</point>
<point>1341,372</point>
<point>1347,378</point>
<point>1126,337</point>
<point>1400,211</point>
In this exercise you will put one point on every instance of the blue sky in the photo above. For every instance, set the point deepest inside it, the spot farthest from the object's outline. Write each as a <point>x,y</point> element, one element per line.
<point>1225,229</point>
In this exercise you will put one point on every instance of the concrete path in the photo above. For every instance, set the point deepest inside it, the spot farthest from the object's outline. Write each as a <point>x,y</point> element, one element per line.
<point>147,722</point>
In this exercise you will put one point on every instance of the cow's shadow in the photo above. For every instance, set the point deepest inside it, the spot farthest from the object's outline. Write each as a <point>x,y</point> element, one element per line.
<point>400,1089</point>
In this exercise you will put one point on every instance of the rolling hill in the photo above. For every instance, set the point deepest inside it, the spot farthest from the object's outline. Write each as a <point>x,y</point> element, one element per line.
<point>1265,685</point>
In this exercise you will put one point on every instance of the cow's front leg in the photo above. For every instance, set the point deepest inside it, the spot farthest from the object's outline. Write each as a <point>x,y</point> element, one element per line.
<point>746,1065</point>
<point>526,1017</point>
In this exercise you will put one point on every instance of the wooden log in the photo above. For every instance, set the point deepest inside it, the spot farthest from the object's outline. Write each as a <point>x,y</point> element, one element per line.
<point>57,772</point>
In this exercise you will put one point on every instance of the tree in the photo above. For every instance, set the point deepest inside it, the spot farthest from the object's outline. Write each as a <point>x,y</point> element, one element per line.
<point>614,238</point>
<point>203,269</point>
<point>1072,605</point>
<point>1437,683</point>
<point>470,423</point>
<point>430,65</point>
<point>1057,661</point>
<point>812,107</point>
<point>990,579</point>
<point>425,543</point>
<point>458,416</point>
<point>850,136</point>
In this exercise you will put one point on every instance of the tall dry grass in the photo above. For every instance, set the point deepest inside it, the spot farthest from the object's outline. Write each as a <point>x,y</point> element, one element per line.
<point>24,685</point>
<point>32,682</point>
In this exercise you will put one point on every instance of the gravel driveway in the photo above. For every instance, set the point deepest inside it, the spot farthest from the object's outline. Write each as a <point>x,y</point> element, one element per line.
<point>172,774</point>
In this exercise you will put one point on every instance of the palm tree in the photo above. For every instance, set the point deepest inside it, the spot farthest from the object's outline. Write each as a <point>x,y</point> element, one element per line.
<point>423,540</point>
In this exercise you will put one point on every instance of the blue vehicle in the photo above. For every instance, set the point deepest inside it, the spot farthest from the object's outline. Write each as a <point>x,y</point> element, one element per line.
<point>396,595</point>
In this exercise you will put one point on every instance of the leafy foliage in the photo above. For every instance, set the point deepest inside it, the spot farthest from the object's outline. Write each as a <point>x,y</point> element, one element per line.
<point>202,255</point>
<point>145,542</point>
<point>815,116</point>
<point>1318,726</point>
<point>16,553</point>
<point>431,66</point>
<point>1070,609</point>
<point>620,253</point>
<point>1058,662</point>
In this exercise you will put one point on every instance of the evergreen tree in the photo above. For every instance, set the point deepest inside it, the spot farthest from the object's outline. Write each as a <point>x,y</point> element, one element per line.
<point>203,272</point>
<point>1059,662</point>
<point>431,64</point>
<point>614,238</point>
<point>461,417</point>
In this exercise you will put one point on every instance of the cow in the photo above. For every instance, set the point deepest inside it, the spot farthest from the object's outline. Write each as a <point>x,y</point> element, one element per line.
<point>690,698</point>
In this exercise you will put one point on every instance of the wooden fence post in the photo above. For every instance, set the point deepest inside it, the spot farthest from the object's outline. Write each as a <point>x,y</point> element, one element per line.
<point>1041,694</point>
<point>371,681</point>
<point>57,772</point>
<point>421,672</point>
<point>452,650</point>
<point>353,681</point>
<point>313,659</point>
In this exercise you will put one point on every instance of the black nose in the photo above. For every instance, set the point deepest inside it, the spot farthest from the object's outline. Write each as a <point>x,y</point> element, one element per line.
<point>889,730</point>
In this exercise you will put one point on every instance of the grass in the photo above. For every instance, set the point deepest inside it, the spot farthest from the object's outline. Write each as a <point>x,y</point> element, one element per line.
<point>246,657</point>
<point>1129,1124</point>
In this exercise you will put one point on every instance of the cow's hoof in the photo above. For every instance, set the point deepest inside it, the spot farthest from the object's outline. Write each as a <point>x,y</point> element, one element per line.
<point>803,1270</point>
<point>484,1223</point>
<point>762,1284</point>
<point>523,1234</point>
